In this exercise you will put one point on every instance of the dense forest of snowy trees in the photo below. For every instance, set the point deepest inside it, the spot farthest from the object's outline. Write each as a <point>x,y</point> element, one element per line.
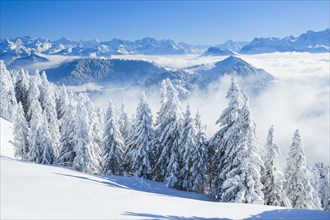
<point>53,125</point>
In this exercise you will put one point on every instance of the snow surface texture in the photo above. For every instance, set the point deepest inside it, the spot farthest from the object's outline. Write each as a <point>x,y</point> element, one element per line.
<point>6,137</point>
<point>34,191</point>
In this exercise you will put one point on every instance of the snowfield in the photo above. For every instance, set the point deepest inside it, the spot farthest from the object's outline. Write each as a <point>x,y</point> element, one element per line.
<point>34,191</point>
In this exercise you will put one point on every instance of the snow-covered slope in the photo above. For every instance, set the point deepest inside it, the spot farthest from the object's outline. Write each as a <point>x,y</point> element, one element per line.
<point>34,191</point>
<point>6,138</point>
<point>308,42</point>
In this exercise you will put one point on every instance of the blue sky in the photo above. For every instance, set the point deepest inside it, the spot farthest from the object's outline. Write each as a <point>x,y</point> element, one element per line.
<point>198,22</point>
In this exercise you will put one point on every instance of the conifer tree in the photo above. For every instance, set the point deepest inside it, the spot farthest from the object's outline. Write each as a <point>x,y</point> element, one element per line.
<point>167,166</point>
<point>33,95</point>
<point>48,104</point>
<point>22,89</point>
<point>66,153</point>
<point>112,145</point>
<point>187,144</point>
<point>35,136</point>
<point>139,155</point>
<point>48,155</point>
<point>20,132</point>
<point>298,179</point>
<point>7,94</point>
<point>156,151</point>
<point>323,172</point>
<point>237,160</point>
<point>199,158</point>
<point>272,178</point>
<point>124,123</point>
<point>84,159</point>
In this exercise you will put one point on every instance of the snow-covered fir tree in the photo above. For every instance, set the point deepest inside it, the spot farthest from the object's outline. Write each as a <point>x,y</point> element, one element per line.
<point>112,145</point>
<point>22,89</point>
<point>315,181</point>
<point>35,136</point>
<point>187,144</point>
<point>323,172</point>
<point>298,178</point>
<point>272,177</point>
<point>199,165</point>
<point>48,104</point>
<point>159,125</point>
<point>84,159</point>
<point>66,152</point>
<point>48,155</point>
<point>7,94</point>
<point>62,101</point>
<point>236,162</point>
<point>228,123</point>
<point>96,127</point>
<point>124,123</point>
<point>138,159</point>
<point>167,167</point>
<point>33,95</point>
<point>20,133</point>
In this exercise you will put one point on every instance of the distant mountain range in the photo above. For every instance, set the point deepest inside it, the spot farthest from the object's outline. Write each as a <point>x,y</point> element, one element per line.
<point>308,42</point>
<point>19,47</point>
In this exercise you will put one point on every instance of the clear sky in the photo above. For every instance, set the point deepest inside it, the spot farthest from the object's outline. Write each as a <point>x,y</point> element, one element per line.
<point>198,22</point>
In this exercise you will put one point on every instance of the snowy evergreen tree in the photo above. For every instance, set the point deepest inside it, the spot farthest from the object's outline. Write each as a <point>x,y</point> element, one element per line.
<point>272,178</point>
<point>7,94</point>
<point>22,89</point>
<point>139,155</point>
<point>113,145</point>
<point>323,172</point>
<point>66,153</point>
<point>84,159</point>
<point>199,165</point>
<point>167,167</point>
<point>124,123</point>
<point>156,151</point>
<point>35,136</point>
<point>48,156</point>
<point>236,162</point>
<point>96,132</point>
<point>62,101</point>
<point>298,178</point>
<point>187,144</point>
<point>315,182</point>
<point>48,104</point>
<point>33,95</point>
<point>20,132</point>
